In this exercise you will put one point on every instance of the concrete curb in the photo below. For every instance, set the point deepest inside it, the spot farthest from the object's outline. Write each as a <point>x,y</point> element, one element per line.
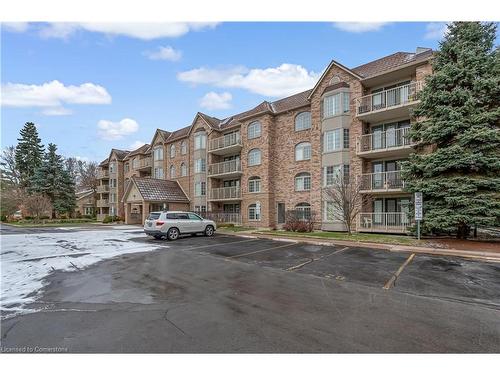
<point>481,255</point>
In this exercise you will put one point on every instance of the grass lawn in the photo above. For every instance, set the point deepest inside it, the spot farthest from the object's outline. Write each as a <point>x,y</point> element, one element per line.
<point>357,237</point>
<point>234,229</point>
<point>28,224</point>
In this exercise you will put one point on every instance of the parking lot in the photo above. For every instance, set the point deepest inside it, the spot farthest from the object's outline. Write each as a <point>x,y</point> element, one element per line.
<point>237,294</point>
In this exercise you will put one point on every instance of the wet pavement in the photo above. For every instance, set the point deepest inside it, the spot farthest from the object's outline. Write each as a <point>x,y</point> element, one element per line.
<point>236,294</point>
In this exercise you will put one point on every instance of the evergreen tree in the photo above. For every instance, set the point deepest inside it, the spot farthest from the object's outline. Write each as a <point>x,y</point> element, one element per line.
<point>457,161</point>
<point>29,153</point>
<point>53,180</point>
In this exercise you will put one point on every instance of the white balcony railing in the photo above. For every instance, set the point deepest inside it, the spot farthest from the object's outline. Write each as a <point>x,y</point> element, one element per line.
<point>102,188</point>
<point>388,222</point>
<point>228,140</point>
<point>232,192</point>
<point>142,163</point>
<point>223,217</point>
<point>384,140</point>
<point>226,167</point>
<point>102,202</point>
<point>382,181</point>
<point>387,99</point>
<point>103,173</point>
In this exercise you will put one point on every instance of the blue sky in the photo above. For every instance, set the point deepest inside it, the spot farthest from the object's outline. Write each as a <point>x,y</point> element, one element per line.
<point>117,83</point>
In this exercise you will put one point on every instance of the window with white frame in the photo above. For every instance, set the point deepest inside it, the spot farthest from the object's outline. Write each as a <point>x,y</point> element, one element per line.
<point>332,140</point>
<point>172,151</point>
<point>303,181</point>
<point>158,153</point>
<point>112,198</point>
<point>200,165</point>
<point>200,188</point>
<point>254,212</point>
<point>254,130</point>
<point>346,138</point>
<point>126,167</point>
<point>336,104</point>
<point>112,167</point>
<point>329,211</point>
<point>112,183</point>
<point>330,173</point>
<point>183,147</point>
<point>172,171</point>
<point>254,157</point>
<point>200,141</point>
<point>303,121</point>
<point>184,170</point>
<point>303,211</point>
<point>158,172</point>
<point>303,151</point>
<point>254,185</point>
<point>88,210</point>
<point>135,163</point>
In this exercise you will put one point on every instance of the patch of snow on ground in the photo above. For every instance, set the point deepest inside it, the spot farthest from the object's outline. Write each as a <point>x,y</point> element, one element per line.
<point>27,258</point>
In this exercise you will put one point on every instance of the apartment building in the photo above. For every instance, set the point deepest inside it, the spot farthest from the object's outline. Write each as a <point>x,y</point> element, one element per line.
<point>253,167</point>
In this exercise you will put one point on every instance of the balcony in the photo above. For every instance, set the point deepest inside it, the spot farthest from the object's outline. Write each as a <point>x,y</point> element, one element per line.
<point>103,203</point>
<point>388,104</point>
<point>393,142</point>
<point>143,164</point>
<point>226,145</point>
<point>103,174</point>
<point>103,188</point>
<point>380,182</point>
<point>384,222</point>
<point>223,217</point>
<point>226,169</point>
<point>225,194</point>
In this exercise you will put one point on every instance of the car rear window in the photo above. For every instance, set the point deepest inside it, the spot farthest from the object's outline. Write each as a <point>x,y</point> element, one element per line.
<point>182,216</point>
<point>154,216</point>
<point>172,216</point>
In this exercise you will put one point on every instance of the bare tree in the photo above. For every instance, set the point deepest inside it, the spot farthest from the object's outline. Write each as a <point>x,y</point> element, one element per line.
<point>10,174</point>
<point>11,199</point>
<point>72,165</point>
<point>88,175</point>
<point>345,197</point>
<point>37,205</point>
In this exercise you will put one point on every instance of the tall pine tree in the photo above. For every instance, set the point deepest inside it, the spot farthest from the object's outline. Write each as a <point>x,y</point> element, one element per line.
<point>457,161</point>
<point>53,180</point>
<point>29,153</point>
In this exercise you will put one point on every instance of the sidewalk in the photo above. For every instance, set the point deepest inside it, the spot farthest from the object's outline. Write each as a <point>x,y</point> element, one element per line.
<point>477,250</point>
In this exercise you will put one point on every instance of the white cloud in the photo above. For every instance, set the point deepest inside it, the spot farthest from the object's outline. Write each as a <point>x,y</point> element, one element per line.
<point>213,100</point>
<point>164,53</point>
<point>57,111</point>
<point>136,145</point>
<point>436,30</point>
<point>82,158</point>
<point>286,79</point>
<point>359,27</point>
<point>52,94</point>
<point>110,130</point>
<point>139,30</point>
<point>15,27</point>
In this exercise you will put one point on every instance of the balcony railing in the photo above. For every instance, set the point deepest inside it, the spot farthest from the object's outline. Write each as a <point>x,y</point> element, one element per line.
<point>382,181</point>
<point>233,192</point>
<point>103,174</point>
<point>226,167</point>
<point>384,140</point>
<point>387,99</point>
<point>102,188</point>
<point>143,163</point>
<point>228,140</point>
<point>102,202</point>
<point>388,222</point>
<point>223,217</point>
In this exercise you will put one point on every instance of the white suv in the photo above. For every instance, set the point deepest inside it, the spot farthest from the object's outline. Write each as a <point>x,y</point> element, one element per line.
<point>171,224</point>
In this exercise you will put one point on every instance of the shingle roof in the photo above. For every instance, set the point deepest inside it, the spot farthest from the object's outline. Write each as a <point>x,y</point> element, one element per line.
<point>212,121</point>
<point>178,134</point>
<point>103,163</point>
<point>138,151</point>
<point>165,134</point>
<point>120,154</point>
<point>291,102</point>
<point>153,189</point>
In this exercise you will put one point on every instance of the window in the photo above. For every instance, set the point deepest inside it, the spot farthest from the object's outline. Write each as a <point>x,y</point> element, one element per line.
<point>88,210</point>
<point>158,172</point>
<point>200,209</point>
<point>193,216</point>
<point>112,167</point>
<point>303,182</point>
<point>183,147</point>
<point>127,167</point>
<point>200,166</point>
<point>135,163</point>
<point>112,198</point>
<point>184,170</point>
<point>172,151</point>
<point>331,172</point>
<point>112,183</point>
<point>331,141</point>
<point>329,213</point>
<point>172,171</point>
<point>346,138</point>
<point>158,153</point>
<point>254,185</point>
<point>336,104</point>
<point>200,189</point>
<point>254,157</point>
<point>200,141</point>
<point>303,211</point>
<point>254,212</point>
<point>303,151</point>
<point>254,130</point>
<point>303,121</point>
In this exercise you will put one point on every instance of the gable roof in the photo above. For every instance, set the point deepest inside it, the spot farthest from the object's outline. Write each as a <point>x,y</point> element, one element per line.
<point>153,189</point>
<point>332,64</point>
<point>104,162</point>
<point>120,154</point>
<point>83,193</point>
<point>138,151</point>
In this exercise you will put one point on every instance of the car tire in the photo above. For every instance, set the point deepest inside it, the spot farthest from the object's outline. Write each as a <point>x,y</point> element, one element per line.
<point>173,234</point>
<point>209,231</point>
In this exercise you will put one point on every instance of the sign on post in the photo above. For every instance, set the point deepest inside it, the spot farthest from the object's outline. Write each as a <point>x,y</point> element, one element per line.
<point>418,211</point>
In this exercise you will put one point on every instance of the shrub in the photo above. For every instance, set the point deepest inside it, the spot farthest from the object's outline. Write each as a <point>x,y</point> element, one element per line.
<point>107,219</point>
<point>295,221</point>
<point>3,218</point>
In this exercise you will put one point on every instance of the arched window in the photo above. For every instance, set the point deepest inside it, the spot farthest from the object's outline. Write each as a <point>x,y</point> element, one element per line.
<point>303,182</point>
<point>254,157</point>
<point>254,212</point>
<point>184,170</point>
<point>303,121</point>
<point>303,211</point>
<point>254,130</point>
<point>303,151</point>
<point>184,147</point>
<point>172,171</point>
<point>172,151</point>
<point>254,184</point>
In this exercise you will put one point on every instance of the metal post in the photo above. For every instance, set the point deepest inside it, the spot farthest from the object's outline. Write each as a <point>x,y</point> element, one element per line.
<point>418,230</point>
